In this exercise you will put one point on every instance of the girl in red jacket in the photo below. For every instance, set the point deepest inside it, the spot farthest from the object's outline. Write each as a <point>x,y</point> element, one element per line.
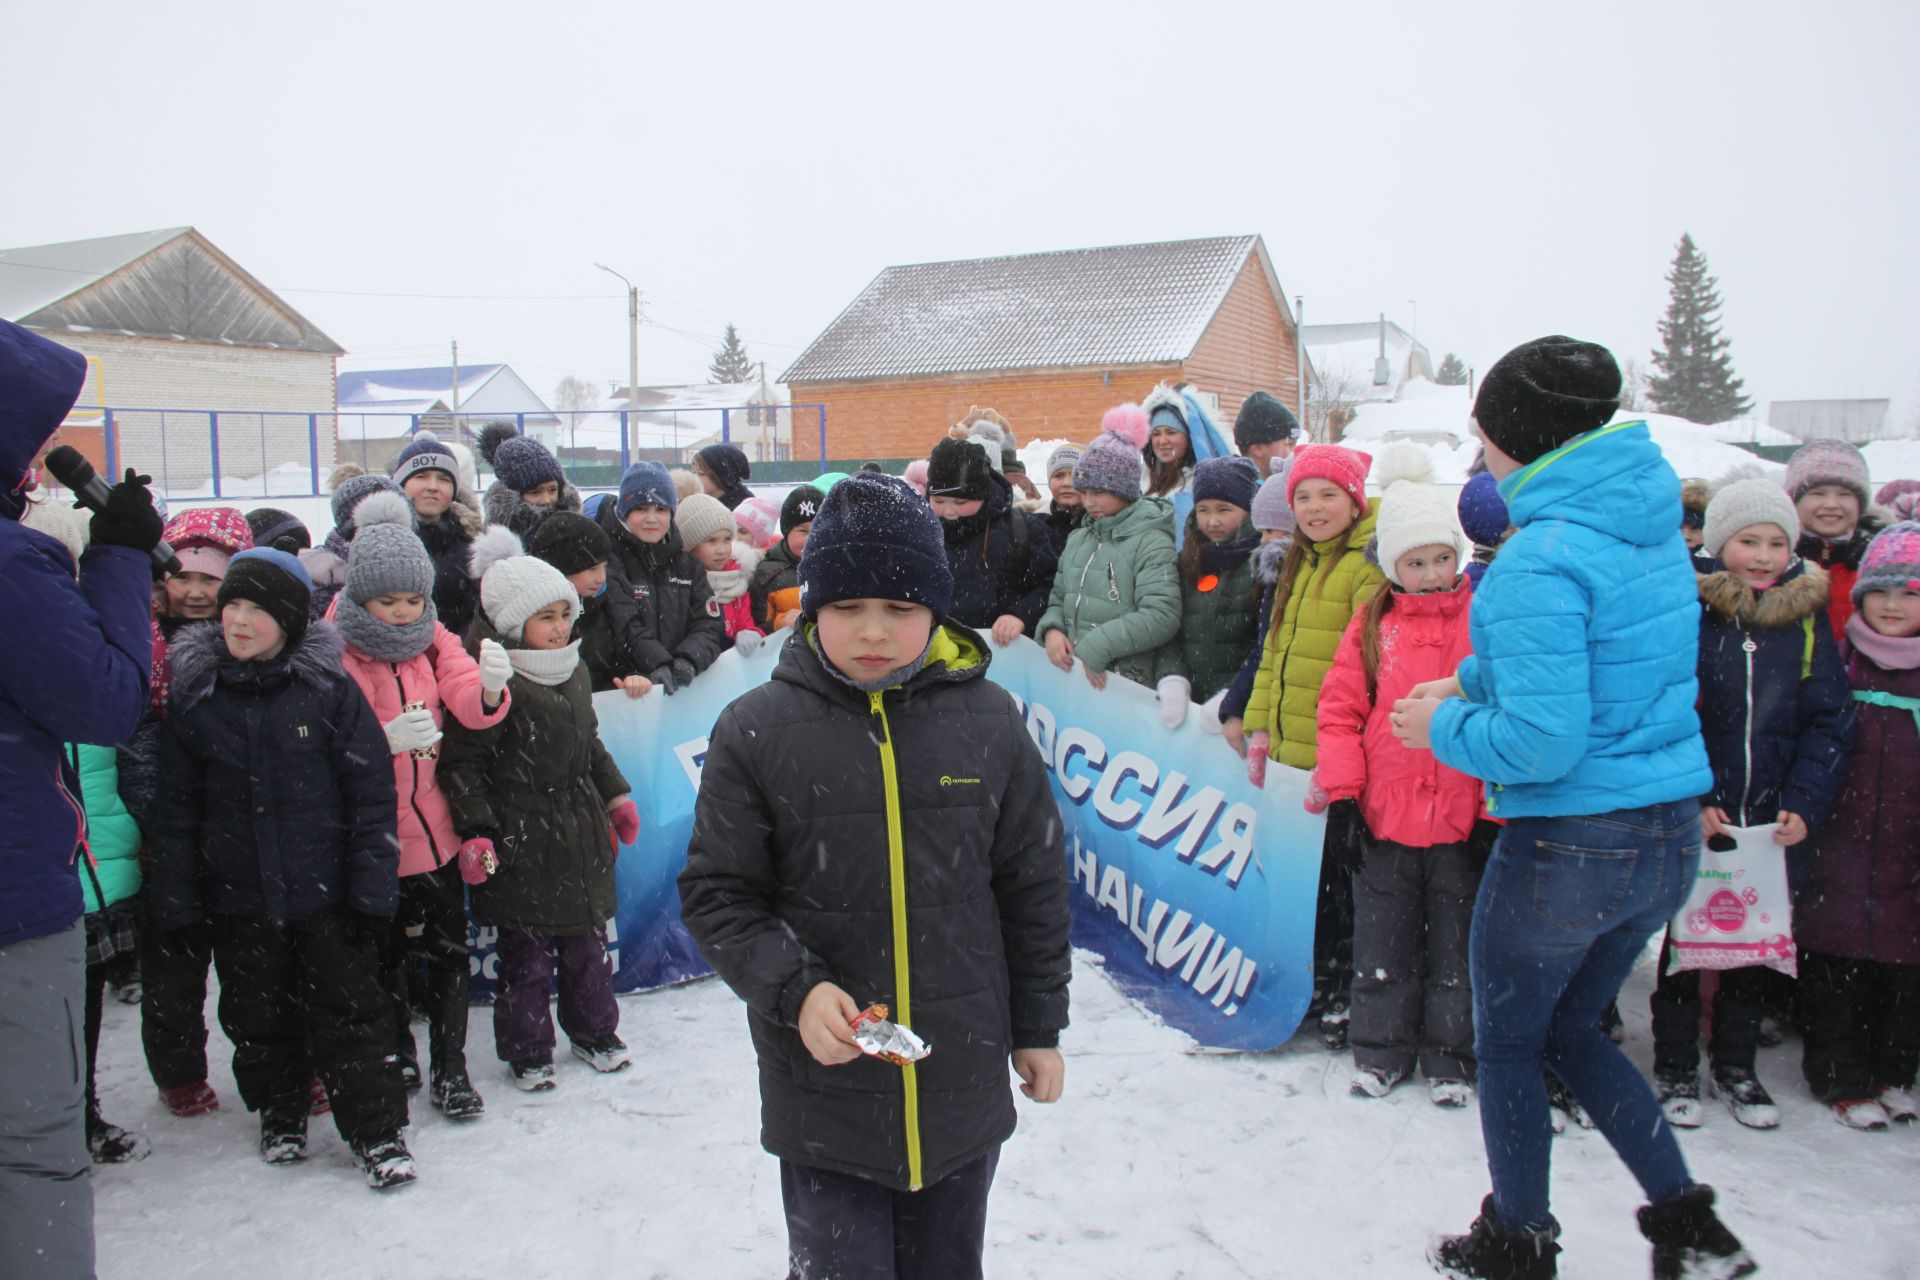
<point>1414,891</point>
<point>414,672</point>
<point>708,530</point>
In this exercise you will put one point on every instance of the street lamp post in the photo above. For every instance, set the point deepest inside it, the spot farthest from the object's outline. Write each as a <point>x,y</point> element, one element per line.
<point>633,335</point>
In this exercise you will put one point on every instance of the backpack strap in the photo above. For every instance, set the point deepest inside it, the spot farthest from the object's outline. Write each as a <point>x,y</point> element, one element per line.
<point>1022,544</point>
<point>1881,698</point>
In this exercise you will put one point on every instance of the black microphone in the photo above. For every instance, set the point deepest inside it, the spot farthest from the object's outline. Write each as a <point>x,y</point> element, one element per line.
<point>67,466</point>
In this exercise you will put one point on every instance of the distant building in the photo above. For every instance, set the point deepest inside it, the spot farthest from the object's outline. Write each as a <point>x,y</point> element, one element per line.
<point>379,409</point>
<point>1366,362</point>
<point>1051,340</point>
<point>169,322</point>
<point>757,416</point>
<point>1855,421</point>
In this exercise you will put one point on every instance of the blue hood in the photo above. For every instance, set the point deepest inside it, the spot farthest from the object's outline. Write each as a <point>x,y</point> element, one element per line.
<point>39,381</point>
<point>1614,480</point>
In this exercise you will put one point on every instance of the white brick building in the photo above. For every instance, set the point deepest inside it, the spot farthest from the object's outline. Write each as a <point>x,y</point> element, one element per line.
<point>187,355</point>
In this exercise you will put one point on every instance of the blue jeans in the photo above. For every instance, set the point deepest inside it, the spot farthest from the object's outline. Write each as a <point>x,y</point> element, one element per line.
<point>1564,909</point>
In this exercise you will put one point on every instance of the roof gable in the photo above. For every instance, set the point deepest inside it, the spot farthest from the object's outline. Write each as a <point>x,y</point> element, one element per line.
<point>380,386</point>
<point>155,284</point>
<point>1124,304</point>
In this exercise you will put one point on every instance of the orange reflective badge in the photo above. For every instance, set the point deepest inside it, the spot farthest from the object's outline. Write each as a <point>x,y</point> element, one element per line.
<point>1207,583</point>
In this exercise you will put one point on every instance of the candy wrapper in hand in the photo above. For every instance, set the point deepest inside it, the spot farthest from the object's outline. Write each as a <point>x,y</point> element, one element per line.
<point>886,1040</point>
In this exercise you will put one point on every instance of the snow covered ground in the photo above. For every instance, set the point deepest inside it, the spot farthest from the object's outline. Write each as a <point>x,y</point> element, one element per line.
<point>1158,1163</point>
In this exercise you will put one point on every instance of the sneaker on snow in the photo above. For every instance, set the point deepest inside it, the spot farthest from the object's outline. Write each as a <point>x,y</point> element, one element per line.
<point>1333,1022</point>
<point>605,1053</point>
<point>1689,1240</point>
<point>283,1135</point>
<point>191,1099</point>
<point>1899,1104</point>
<point>456,1097</point>
<point>1374,1082</point>
<point>129,993</point>
<point>1489,1251</point>
<point>1860,1113</point>
<point>110,1144</point>
<point>1561,1099</point>
<point>1773,1032</point>
<point>1449,1093</point>
<point>1747,1098</point>
<point>318,1104</point>
<point>533,1075</point>
<point>387,1163</point>
<point>1679,1097</point>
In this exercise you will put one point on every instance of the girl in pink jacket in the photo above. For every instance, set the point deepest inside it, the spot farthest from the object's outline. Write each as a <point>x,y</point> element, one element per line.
<point>1414,891</point>
<point>414,671</point>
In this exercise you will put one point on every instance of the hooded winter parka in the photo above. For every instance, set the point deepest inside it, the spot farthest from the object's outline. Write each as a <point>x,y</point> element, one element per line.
<point>1586,630</point>
<point>444,679</point>
<point>1296,652</point>
<point>112,836</point>
<point>1116,593</point>
<point>537,784</point>
<point>991,574</point>
<point>906,847</point>
<point>776,586</point>
<point>1841,560</point>
<point>275,798</point>
<point>1217,620</point>
<point>670,594</point>
<point>1862,898</point>
<point>1775,708</point>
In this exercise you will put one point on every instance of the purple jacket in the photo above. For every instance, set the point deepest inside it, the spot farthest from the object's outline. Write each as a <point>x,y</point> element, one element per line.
<point>1862,897</point>
<point>78,655</point>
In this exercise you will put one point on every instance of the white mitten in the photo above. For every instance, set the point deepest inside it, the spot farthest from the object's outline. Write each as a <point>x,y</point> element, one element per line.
<point>1210,713</point>
<point>1175,697</point>
<point>747,642</point>
<point>495,667</point>
<point>412,731</point>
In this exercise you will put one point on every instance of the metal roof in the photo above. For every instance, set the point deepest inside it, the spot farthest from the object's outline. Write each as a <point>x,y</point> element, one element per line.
<point>372,387</point>
<point>1125,304</point>
<point>40,275</point>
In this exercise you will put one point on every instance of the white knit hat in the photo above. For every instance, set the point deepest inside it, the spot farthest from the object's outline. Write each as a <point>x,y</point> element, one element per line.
<point>1413,511</point>
<point>1744,503</point>
<point>514,585</point>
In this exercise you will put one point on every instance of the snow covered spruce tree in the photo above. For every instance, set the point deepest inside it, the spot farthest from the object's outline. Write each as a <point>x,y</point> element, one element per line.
<point>731,363</point>
<point>1693,376</point>
<point>1452,372</point>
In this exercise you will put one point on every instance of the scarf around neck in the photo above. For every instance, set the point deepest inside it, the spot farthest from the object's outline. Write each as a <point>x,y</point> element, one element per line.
<point>383,640</point>
<point>546,666</point>
<point>1889,653</point>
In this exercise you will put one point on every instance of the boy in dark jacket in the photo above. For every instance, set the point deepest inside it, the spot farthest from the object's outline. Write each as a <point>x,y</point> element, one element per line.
<point>1001,558</point>
<point>1778,721</point>
<point>533,800</point>
<point>1064,513</point>
<point>429,474</point>
<point>775,590</point>
<point>276,827</point>
<point>676,637</point>
<point>946,898</point>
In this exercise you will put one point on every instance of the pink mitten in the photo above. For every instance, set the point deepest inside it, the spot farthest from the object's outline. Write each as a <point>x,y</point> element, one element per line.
<point>1316,801</point>
<point>625,816</point>
<point>477,860</point>
<point>1258,744</point>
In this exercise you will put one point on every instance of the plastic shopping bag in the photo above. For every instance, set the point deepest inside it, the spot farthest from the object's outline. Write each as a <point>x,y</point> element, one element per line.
<point>1739,912</point>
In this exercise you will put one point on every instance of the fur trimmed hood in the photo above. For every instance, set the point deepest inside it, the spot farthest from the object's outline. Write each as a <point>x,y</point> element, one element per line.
<point>1798,595</point>
<point>197,652</point>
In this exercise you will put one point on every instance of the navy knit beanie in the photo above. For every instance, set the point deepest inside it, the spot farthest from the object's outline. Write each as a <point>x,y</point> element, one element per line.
<point>1233,480</point>
<point>522,463</point>
<point>1483,512</point>
<point>351,493</point>
<point>275,581</point>
<point>726,463</point>
<point>876,539</point>
<point>425,453</point>
<point>283,530</point>
<point>646,484</point>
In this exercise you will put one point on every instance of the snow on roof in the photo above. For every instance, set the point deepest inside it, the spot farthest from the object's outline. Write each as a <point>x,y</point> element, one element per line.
<point>383,387</point>
<point>712,395</point>
<point>1124,304</point>
<point>40,275</point>
<point>1343,355</point>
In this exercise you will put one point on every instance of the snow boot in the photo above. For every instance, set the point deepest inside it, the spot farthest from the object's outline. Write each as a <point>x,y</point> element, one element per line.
<point>129,992</point>
<point>532,1075</point>
<point>1679,1097</point>
<point>451,1090</point>
<point>318,1104</point>
<point>1689,1240</point>
<point>1747,1098</point>
<point>1899,1104</point>
<point>1490,1251</point>
<point>1334,1019</point>
<point>283,1134</point>
<point>191,1099</point>
<point>1449,1093</point>
<point>1561,1099</point>
<point>1374,1082</point>
<point>606,1053</point>
<point>1860,1113</point>
<point>453,1093</point>
<point>387,1163</point>
<point>110,1144</point>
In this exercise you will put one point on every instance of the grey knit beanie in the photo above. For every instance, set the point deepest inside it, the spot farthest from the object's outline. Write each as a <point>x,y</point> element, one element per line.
<point>699,517</point>
<point>1063,458</point>
<point>1745,503</point>
<point>351,493</point>
<point>1271,510</point>
<point>387,558</point>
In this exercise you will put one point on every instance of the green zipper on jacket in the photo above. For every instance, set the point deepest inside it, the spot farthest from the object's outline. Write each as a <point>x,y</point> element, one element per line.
<point>897,890</point>
<point>1524,477</point>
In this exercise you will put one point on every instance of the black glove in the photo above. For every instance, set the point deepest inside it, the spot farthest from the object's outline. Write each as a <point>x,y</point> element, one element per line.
<point>129,518</point>
<point>683,672</point>
<point>663,680</point>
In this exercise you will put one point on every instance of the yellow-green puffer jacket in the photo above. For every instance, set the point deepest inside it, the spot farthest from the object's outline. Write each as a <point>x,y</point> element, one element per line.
<point>1297,654</point>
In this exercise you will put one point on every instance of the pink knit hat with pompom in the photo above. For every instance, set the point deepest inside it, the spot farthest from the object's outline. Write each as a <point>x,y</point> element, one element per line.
<point>1111,463</point>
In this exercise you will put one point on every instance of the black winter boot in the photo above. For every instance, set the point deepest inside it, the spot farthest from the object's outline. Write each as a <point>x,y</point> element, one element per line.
<point>1490,1251</point>
<point>1690,1242</point>
<point>452,1090</point>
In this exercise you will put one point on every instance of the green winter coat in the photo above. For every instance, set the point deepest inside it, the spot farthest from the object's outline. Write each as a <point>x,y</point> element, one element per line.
<point>1298,649</point>
<point>1218,625</point>
<point>111,833</point>
<point>1116,593</point>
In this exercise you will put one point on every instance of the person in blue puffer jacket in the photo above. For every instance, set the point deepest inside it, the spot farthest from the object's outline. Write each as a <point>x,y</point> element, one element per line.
<point>1577,709</point>
<point>78,659</point>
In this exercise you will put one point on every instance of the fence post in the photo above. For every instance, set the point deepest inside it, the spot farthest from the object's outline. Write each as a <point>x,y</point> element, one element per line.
<point>726,425</point>
<point>213,437</point>
<point>110,444</point>
<point>626,443</point>
<point>823,436</point>
<point>166,476</point>
<point>313,452</point>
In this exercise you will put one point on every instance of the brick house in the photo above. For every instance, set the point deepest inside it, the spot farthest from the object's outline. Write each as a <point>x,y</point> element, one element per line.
<point>1051,340</point>
<point>168,322</point>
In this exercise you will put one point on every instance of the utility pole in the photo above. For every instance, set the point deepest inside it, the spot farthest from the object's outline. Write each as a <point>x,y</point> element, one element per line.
<point>633,335</point>
<point>456,388</point>
<point>1415,345</point>
<point>1300,359</point>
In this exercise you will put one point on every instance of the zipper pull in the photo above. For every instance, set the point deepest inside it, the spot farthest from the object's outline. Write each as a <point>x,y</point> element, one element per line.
<point>1749,645</point>
<point>1113,584</point>
<point>876,720</point>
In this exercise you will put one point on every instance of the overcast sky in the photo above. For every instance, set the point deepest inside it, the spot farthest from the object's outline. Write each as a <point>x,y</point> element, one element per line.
<point>1515,169</point>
